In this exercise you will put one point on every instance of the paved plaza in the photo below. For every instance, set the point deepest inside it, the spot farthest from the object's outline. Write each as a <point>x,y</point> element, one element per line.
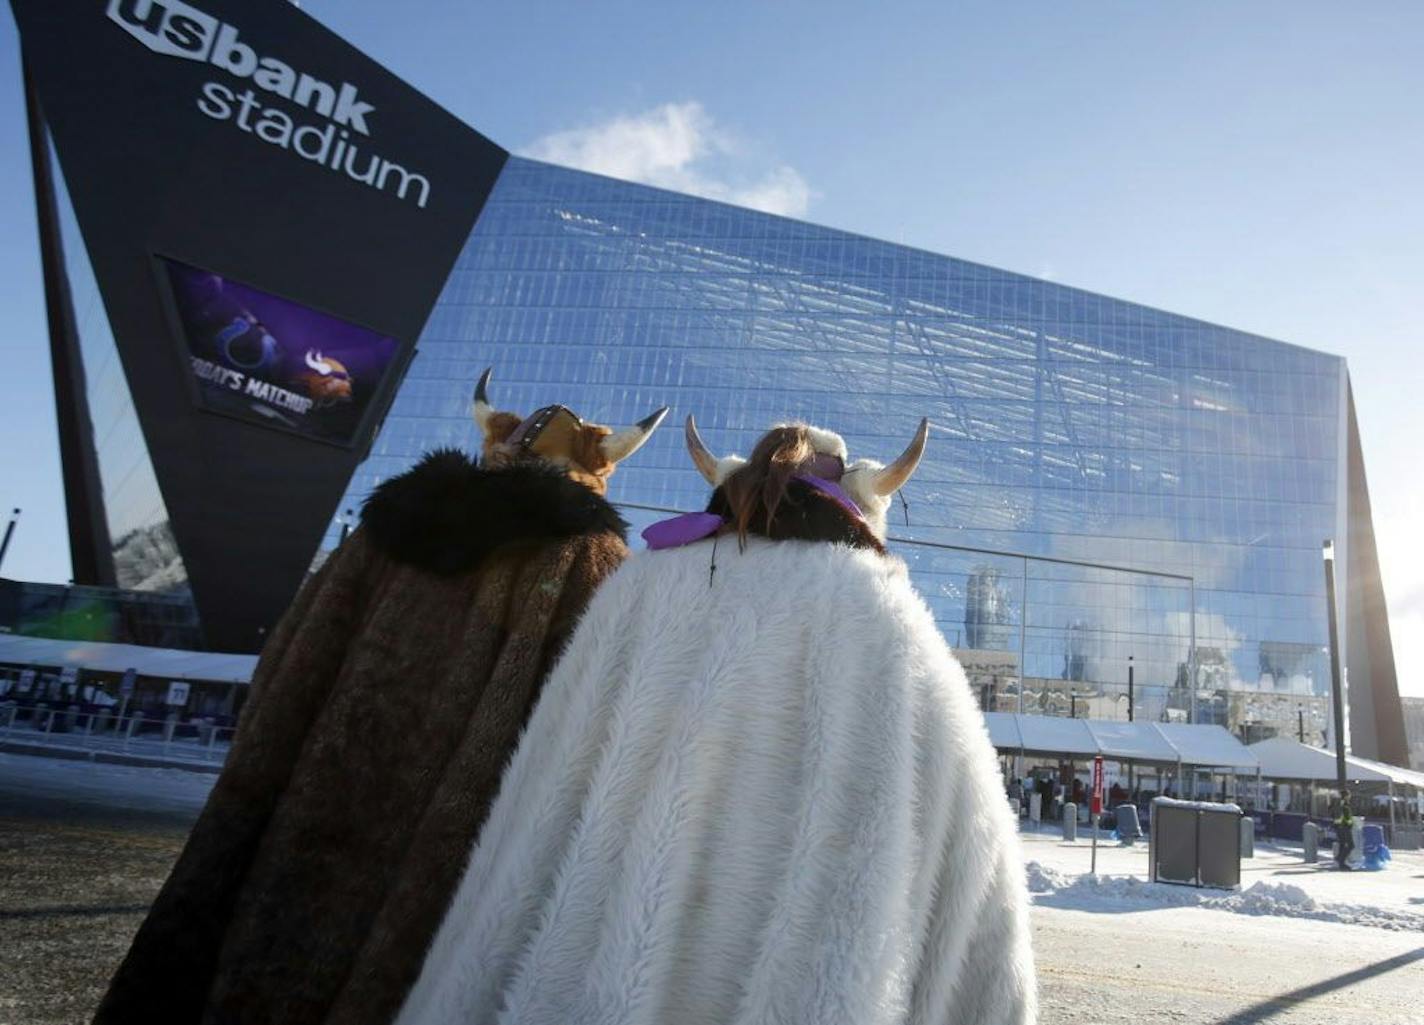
<point>84,848</point>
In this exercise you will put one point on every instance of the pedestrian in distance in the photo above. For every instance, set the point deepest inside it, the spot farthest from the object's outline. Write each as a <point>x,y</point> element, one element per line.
<point>1344,834</point>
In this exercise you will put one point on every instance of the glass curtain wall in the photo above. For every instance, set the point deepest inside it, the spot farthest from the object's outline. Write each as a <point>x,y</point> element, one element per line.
<point>1066,425</point>
<point>146,556</point>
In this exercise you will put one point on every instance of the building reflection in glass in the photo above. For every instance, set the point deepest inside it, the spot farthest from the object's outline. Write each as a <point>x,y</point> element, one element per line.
<point>1066,425</point>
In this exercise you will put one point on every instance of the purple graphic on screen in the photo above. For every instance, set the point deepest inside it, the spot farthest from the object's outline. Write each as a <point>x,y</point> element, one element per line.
<point>275,361</point>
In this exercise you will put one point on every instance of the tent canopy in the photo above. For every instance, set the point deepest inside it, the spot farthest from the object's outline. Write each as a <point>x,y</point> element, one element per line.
<point>1138,742</point>
<point>1284,758</point>
<point>167,663</point>
<point>1047,733</point>
<point>1162,743</point>
<point>1208,745</point>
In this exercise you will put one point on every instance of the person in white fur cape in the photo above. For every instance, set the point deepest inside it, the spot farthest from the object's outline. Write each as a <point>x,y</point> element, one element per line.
<point>755,789</point>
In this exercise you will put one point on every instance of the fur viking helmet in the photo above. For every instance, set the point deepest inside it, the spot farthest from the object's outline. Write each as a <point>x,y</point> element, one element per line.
<point>800,448</point>
<point>555,434</point>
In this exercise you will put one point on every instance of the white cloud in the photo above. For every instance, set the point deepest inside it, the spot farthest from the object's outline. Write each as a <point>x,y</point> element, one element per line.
<point>676,146</point>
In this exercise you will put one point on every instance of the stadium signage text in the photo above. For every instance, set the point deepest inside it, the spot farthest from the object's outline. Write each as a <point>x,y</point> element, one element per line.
<point>175,29</point>
<point>237,381</point>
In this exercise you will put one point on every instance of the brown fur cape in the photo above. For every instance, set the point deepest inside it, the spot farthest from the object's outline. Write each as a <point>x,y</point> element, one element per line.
<point>382,713</point>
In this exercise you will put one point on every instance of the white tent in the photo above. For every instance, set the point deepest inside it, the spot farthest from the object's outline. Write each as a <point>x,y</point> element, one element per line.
<point>1208,746</point>
<point>1195,744</point>
<point>165,663</point>
<point>1056,735</point>
<point>1003,731</point>
<point>1132,741</point>
<point>1284,758</point>
<point>1406,777</point>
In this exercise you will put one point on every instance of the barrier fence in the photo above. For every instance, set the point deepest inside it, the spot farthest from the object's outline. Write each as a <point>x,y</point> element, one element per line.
<point>74,727</point>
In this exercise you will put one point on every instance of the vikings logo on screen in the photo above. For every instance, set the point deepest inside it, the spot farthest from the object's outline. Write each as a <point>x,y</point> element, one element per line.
<point>266,358</point>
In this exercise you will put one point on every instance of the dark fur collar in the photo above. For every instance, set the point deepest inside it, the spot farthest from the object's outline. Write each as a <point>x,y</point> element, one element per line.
<point>807,515</point>
<point>447,514</point>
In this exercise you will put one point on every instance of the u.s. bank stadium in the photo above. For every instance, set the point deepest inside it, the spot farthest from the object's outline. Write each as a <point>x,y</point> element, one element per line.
<point>1111,493</point>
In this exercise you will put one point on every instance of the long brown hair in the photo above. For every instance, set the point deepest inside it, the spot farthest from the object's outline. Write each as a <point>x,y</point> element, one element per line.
<point>758,487</point>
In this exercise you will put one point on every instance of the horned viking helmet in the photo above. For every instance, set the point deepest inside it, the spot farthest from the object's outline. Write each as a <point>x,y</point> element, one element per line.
<point>555,434</point>
<point>868,483</point>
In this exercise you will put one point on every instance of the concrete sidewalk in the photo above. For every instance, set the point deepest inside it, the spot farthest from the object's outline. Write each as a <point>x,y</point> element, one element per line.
<point>143,751</point>
<point>1398,887</point>
<point>84,848</point>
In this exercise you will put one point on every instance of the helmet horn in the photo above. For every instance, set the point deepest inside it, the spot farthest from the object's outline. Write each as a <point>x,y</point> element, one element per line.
<point>893,477</point>
<point>621,444</point>
<point>482,408</point>
<point>704,460</point>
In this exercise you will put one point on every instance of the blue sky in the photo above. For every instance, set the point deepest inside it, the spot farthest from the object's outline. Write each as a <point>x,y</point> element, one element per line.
<point>1251,164</point>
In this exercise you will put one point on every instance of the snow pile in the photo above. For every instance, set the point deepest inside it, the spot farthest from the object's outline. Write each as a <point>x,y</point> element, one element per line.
<point>1056,888</point>
<point>1044,879</point>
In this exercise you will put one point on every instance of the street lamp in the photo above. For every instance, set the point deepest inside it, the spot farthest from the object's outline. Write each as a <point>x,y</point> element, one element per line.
<point>1328,551</point>
<point>9,532</point>
<point>345,520</point>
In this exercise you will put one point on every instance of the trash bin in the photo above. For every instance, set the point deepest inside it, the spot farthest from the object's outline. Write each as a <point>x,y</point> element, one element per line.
<point>1373,849</point>
<point>1195,843</point>
<point>1070,822</point>
<point>1128,829</point>
<point>1310,840</point>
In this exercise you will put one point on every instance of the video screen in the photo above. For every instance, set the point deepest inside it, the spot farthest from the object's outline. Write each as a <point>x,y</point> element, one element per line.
<point>276,362</point>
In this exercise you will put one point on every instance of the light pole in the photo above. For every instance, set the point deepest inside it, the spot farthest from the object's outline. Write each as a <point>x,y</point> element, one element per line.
<point>9,533</point>
<point>1131,786</point>
<point>1328,552</point>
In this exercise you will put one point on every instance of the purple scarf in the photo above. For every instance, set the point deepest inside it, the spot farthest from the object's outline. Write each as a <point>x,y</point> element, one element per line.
<point>690,527</point>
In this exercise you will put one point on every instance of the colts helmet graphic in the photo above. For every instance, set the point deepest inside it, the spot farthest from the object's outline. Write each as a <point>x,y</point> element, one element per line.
<point>326,380</point>
<point>246,345</point>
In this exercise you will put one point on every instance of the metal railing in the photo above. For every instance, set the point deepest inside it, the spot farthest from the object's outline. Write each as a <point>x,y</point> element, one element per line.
<point>100,730</point>
<point>204,740</point>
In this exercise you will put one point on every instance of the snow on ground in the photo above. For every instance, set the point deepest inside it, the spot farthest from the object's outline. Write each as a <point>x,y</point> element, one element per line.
<point>118,787</point>
<point>1193,966</point>
<point>1277,882</point>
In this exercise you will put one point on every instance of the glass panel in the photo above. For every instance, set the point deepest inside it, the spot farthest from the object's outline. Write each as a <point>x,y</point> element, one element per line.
<point>1066,425</point>
<point>146,556</point>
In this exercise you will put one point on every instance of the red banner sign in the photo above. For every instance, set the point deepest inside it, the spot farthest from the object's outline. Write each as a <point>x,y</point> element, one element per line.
<point>1098,785</point>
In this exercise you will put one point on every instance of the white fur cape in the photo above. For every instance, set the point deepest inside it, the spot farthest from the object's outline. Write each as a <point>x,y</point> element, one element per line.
<point>767,798</point>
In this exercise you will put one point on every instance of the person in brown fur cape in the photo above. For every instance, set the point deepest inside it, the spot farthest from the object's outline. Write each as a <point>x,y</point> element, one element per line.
<point>382,713</point>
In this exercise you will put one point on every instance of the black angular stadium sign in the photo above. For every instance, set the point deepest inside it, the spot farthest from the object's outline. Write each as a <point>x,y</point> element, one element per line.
<point>247,183</point>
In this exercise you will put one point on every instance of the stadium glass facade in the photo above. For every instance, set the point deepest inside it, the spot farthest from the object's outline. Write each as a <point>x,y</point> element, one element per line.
<point>1111,493</point>
<point>145,555</point>
<point>1097,469</point>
